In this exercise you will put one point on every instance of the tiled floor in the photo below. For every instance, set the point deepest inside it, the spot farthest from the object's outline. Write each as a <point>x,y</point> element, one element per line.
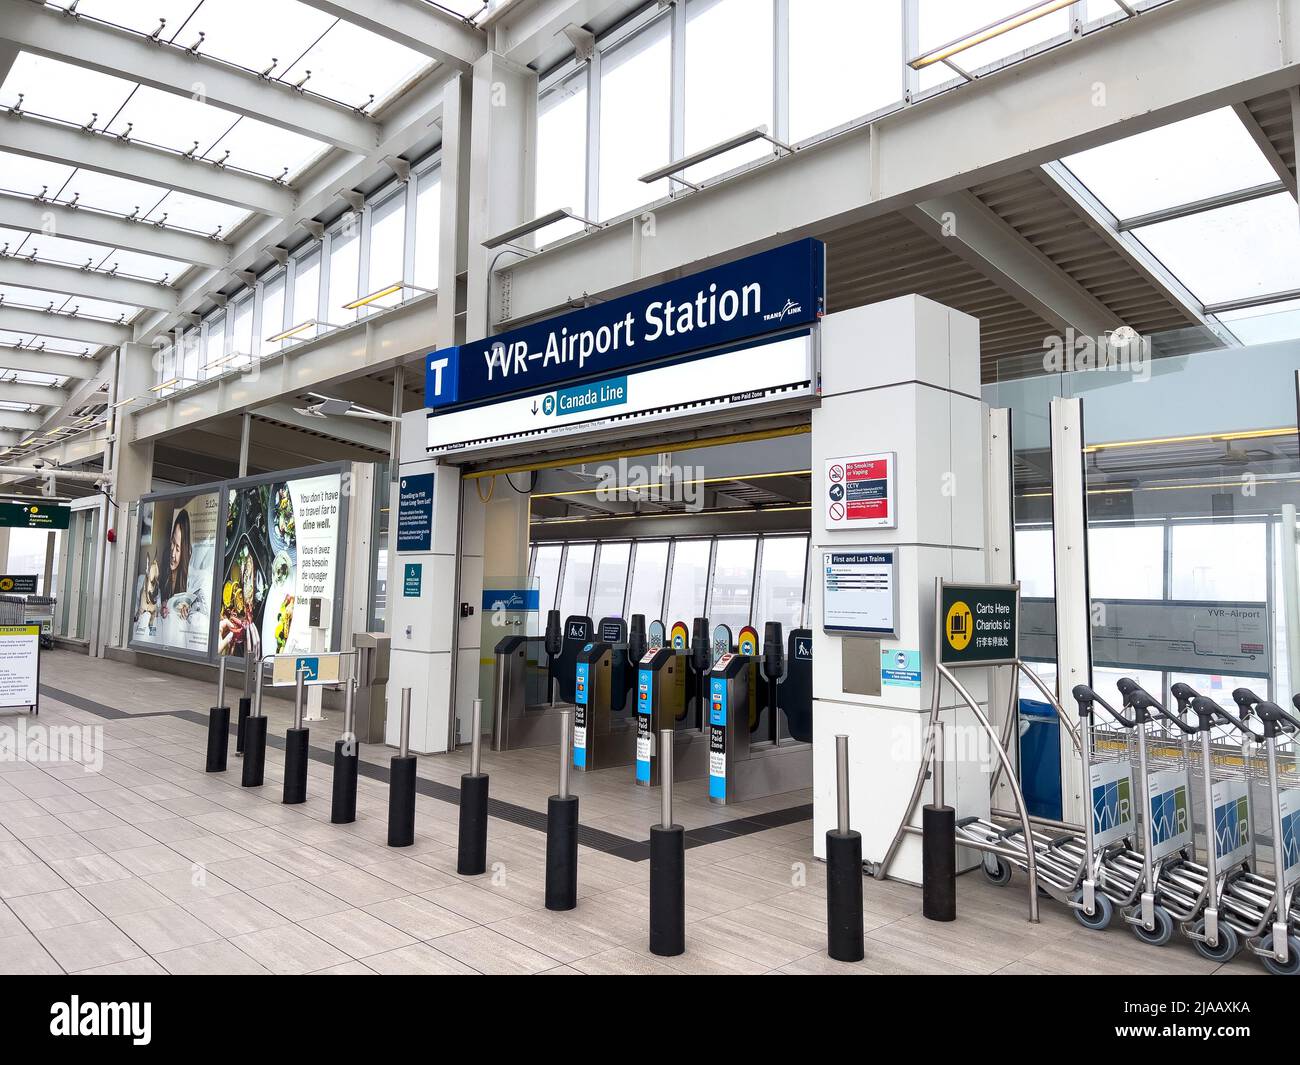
<point>147,865</point>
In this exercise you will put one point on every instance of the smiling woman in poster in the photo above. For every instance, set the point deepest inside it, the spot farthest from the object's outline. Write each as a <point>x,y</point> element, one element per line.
<point>183,587</point>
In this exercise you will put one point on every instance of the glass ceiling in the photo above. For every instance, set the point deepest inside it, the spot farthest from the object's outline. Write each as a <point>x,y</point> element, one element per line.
<point>287,40</point>
<point>1223,253</point>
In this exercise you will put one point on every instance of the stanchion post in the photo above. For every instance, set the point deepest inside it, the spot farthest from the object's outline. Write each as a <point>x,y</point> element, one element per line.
<point>938,846</point>
<point>219,725</point>
<point>401,784</point>
<point>296,742</point>
<point>255,737</point>
<point>844,938</point>
<point>471,850</point>
<point>343,800</point>
<point>667,865</point>
<point>562,830</point>
<point>245,707</point>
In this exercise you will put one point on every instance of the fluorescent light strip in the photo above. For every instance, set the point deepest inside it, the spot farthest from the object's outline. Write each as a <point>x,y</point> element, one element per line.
<point>673,514</point>
<point>648,487</point>
<point>671,170</point>
<point>532,226</point>
<point>292,331</point>
<point>987,33</point>
<point>387,290</point>
<point>1200,438</point>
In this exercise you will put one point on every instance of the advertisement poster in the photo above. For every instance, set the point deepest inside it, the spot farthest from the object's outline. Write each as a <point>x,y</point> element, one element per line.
<point>281,549</point>
<point>171,597</point>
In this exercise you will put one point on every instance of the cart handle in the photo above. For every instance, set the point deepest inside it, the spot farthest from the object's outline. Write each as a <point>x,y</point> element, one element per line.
<point>1138,699</point>
<point>1190,730</point>
<point>1275,718</point>
<point>1208,707</point>
<point>1087,698</point>
<point>1189,698</point>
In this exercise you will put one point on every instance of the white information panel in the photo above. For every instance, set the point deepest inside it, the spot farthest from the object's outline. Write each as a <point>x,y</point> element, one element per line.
<point>859,592</point>
<point>20,650</point>
<point>860,492</point>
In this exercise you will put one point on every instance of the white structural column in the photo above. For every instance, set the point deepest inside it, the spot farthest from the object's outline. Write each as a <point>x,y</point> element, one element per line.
<point>453,232</point>
<point>1073,608</point>
<point>502,160</point>
<point>422,626</point>
<point>900,376</point>
<point>132,474</point>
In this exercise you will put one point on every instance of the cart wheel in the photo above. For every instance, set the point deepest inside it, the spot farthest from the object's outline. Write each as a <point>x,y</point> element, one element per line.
<point>1163,932</point>
<point>997,872</point>
<point>1292,966</point>
<point>1099,920</point>
<point>1229,942</point>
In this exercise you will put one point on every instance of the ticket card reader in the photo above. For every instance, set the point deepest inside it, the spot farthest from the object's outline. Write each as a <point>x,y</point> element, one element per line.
<point>576,634</point>
<point>591,702</point>
<point>728,724</point>
<point>660,699</point>
<point>613,631</point>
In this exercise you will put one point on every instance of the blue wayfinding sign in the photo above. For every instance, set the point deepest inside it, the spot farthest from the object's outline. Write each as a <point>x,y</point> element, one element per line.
<point>415,512</point>
<point>774,290</point>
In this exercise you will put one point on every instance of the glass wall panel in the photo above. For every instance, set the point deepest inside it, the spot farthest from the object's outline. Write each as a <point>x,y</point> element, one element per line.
<point>1225,562</point>
<point>345,266</point>
<point>272,314</point>
<point>1126,562</point>
<point>577,580</point>
<point>646,595</point>
<point>611,581</point>
<point>728,79</point>
<point>306,292</point>
<point>733,583</point>
<point>635,116</point>
<point>546,571</point>
<point>562,154</point>
<point>690,575</point>
<point>387,249</point>
<point>781,582</point>
<point>428,226</point>
<point>846,61</point>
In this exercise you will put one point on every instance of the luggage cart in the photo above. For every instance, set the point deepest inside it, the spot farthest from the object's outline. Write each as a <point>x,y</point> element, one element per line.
<point>11,610</point>
<point>1262,910</point>
<point>39,610</point>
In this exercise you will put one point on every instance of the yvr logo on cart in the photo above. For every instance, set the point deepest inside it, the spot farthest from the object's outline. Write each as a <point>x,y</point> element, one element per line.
<point>1231,826</point>
<point>1170,816</point>
<point>1112,805</point>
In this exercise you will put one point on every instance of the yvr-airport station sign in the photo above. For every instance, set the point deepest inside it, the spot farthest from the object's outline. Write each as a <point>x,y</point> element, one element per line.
<point>730,336</point>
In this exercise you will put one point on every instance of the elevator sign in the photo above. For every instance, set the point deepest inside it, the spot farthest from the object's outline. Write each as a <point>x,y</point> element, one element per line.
<point>859,492</point>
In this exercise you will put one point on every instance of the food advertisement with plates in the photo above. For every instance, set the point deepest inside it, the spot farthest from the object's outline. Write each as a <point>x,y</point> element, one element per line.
<point>281,549</point>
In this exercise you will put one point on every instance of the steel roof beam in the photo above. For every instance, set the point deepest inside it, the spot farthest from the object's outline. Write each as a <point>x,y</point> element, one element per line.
<point>93,284</point>
<point>415,25</point>
<point>33,361</point>
<point>92,331</point>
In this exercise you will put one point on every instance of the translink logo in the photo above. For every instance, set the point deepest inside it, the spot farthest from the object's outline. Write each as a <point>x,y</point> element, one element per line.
<point>1112,805</point>
<point>1169,814</point>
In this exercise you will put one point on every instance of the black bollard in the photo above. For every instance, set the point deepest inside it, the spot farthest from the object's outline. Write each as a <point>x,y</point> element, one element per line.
<point>471,843</point>
<point>296,742</point>
<point>938,847</point>
<point>562,831</point>
<point>241,730</point>
<point>401,785</point>
<point>844,938</point>
<point>347,756</point>
<point>218,738</point>
<point>254,752</point>
<point>667,866</point>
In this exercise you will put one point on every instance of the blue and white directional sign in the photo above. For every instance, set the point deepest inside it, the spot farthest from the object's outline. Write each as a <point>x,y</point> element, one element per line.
<point>582,693</point>
<point>774,290</point>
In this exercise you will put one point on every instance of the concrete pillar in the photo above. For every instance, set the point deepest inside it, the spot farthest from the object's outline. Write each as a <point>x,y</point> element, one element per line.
<point>502,161</point>
<point>132,478</point>
<point>903,377</point>
<point>453,232</point>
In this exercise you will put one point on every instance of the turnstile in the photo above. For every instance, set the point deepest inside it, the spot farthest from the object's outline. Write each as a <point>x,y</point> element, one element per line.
<point>660,700</point>
<point>517,722</point>
<point>742,767</point>
<point>369,704</point>
<point>601,738</point>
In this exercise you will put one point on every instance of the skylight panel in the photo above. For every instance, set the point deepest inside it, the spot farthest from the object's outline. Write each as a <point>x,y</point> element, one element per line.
<point>31,297</point>
<point>58,249</point>
<point>62,90</point>
<point>1264,324</point>
<point>138,264</point>
<point>140,15</point>
<point>109,193</point>
<point>26,176</point>
<point>255,33</point>
<point>267,150</point>
<point>196,213</point>
<point>172,121</point>
<point>1176,164</point>
<point>1232,253</point>
<point>349,63</point>
<point>106,309</point>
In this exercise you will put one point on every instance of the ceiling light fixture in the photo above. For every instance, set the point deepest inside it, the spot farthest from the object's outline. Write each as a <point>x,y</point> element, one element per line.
<point>1014,21</point>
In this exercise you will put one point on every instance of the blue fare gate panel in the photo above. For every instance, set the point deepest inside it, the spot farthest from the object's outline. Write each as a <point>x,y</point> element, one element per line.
<point>644,711</point>
<point>718,738</point>
<point>581,691</point>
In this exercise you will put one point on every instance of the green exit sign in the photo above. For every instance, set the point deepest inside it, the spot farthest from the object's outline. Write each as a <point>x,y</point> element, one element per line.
<point>34,516</point>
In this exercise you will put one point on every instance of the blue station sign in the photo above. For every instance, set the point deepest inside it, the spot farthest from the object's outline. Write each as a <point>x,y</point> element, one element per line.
<point>775,290</point>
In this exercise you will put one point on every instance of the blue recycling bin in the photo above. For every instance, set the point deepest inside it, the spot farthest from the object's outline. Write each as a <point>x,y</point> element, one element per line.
<point>1040,759</point>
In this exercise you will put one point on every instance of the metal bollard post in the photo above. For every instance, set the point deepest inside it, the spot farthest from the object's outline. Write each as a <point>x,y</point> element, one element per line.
<point>471,850</point>
<point>254,737</point>
<point>562,830</point>
<point>938,846</point>
<point>295,746</point>
<point>667,865</point>
<point>219,726</point>
<point>844,938</point>
<point>347,756</point>
<point>245,708</point>
<point>401,784</point>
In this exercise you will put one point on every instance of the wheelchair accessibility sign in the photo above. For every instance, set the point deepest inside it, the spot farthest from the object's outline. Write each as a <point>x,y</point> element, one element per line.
<point>317,669</point>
